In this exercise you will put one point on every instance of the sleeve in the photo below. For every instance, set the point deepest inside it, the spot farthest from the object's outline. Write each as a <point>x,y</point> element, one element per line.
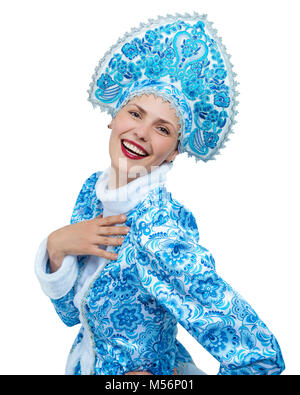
<point>60,286</point>
<point>180,274</point>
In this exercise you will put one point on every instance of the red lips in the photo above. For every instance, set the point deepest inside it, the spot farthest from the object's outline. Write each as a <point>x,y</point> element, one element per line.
<point>131,155</point>
<point>137,145</point>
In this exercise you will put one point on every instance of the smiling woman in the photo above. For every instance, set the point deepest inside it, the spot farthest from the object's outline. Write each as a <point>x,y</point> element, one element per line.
<point>145,132</point>
<point>170,89</point>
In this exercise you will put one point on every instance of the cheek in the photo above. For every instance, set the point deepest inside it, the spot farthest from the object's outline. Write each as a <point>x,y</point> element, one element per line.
<point>121,125</point>
<point>163,146</point>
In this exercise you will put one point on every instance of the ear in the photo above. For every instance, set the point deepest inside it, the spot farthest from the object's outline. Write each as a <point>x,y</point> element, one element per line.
<point>172,156</point>
<point>111,124</point>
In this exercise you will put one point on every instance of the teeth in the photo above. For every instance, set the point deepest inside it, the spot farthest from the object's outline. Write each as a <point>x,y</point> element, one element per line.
<point>133,148</point>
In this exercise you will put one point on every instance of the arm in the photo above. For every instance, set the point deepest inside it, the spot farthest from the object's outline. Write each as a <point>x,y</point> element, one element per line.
<point>204,304</point>
<point>60,286</point>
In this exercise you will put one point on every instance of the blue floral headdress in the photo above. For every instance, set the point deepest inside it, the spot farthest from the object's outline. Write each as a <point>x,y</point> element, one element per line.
<point>181,59</point>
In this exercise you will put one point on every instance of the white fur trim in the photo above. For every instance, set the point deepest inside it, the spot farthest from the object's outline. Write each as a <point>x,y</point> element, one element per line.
<point>73,359</point>
<point>57,284</point>
<point>126,197</point>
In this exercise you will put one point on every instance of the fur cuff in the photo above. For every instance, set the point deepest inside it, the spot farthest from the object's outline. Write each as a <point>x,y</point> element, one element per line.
<point>57,284</point>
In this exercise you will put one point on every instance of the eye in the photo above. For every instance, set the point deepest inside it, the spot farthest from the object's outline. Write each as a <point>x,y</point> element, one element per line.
<point>134,114</point>
<point>164,130</point>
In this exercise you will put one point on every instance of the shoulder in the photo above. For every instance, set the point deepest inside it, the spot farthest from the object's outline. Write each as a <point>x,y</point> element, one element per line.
<point>87,203</point>
<point>90,182</point>
<point>89,186</point>
<point>161,212</point>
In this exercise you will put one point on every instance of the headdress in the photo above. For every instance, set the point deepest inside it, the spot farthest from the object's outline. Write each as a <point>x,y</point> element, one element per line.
<point>181,59</point>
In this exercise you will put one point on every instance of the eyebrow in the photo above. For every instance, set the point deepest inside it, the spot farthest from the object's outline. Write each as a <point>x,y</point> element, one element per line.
<point>145,112</point>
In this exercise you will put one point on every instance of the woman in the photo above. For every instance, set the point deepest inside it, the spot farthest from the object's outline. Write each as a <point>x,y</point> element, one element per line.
<point>170,89</point>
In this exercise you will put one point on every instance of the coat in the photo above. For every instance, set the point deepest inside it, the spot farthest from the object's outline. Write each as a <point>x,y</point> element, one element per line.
<point>129,308</point>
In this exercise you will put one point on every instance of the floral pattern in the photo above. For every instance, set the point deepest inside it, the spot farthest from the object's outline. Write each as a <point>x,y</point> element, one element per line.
<point>127,318</point>
<point>221,341</point>
<point>208,289</point>
<point>163,277</point>
<point>186,57</point>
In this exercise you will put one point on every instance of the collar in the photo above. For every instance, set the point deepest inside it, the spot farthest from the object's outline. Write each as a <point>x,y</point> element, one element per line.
<point>124,199</point>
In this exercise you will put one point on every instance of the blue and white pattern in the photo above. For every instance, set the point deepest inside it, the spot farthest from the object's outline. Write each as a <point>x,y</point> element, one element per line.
<point>181,59</point>
<point>162,277</point>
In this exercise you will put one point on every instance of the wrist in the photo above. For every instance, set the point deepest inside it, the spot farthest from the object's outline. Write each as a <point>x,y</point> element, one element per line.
<point>56,256</point>
<point>55,263</point>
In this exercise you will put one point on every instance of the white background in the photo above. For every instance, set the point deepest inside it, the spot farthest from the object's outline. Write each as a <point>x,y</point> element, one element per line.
<point>245,202</point>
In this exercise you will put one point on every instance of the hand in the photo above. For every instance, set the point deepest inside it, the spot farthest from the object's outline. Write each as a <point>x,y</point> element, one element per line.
<point>84,238</point>
<point>136,373</point>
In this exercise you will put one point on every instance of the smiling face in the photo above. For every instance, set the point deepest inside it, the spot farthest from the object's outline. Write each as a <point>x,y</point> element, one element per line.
<point>144,135</point>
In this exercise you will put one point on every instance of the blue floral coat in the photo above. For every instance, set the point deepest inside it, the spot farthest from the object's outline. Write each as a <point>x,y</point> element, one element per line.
<point>162,277</point>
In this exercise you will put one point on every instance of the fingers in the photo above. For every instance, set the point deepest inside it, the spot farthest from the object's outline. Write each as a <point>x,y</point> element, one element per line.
<point>104,225</point>
<point>113,241</point>
<point>111,220</point>
<point>138,373</point>
<point>145,373</point>
<point>104,254</point>
<point>113,230</point>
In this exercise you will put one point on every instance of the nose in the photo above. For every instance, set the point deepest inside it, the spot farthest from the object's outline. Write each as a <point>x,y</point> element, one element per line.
<point>142,132</point>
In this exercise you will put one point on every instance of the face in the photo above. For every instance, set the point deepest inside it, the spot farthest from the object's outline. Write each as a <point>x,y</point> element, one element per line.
<point>144,135</point>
